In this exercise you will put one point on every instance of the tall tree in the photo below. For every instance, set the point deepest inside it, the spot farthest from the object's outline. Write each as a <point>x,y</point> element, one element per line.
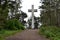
<point>49,13</point>
<point>3,12</point>
<point>5,5</point>
<point>14,7</point>
<point>23,15</point>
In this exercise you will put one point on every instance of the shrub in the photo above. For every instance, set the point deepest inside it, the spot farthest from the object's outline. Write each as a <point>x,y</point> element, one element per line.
<point>2,31</point>
<point>14,24</point>
<point>52,32</point>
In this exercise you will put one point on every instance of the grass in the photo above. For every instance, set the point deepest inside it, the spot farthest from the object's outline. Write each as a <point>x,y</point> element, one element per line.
<point>51,32</point>
<point>5,33</point>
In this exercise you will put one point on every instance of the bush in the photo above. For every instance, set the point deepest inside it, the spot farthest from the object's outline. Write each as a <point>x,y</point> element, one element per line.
<point>14,24</point>
<point>6,33</point>
<point>52,32</point>
<point>2,31</point>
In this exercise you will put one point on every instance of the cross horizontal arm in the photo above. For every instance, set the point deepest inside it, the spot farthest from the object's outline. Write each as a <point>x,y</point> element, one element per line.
<point>35,10</point>
<point>29,10</point>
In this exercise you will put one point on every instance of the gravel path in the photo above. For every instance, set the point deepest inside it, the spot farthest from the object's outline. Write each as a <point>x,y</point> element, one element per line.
<point>27,35</point>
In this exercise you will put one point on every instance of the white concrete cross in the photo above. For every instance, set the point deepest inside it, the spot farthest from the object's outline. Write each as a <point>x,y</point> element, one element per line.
<point>32,10</point>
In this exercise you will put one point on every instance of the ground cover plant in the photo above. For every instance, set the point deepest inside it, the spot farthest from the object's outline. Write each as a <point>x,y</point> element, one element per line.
<point>51,32</point>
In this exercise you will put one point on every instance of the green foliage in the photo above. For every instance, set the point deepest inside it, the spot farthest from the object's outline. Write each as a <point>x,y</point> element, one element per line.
<point>52,32</point>
<point>50,16</point>
<point>3,14</point>
<point>5,33</point>
<point>14,24</point>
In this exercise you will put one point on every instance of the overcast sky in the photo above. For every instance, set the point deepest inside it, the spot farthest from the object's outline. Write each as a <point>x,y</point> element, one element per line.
<point>26,4</point>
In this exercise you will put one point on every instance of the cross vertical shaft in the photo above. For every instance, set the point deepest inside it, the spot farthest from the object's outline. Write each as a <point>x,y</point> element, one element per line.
<point>32,16</point>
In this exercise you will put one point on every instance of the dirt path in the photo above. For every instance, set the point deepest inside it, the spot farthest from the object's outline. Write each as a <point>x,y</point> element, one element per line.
<point>27,35</point>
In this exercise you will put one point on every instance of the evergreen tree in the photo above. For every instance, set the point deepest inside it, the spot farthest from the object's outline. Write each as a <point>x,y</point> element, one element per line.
<point>3,12</point>
<point>14,7</point>
<point>23,15</point>
<point>5,5</point>
<point>49,13</point>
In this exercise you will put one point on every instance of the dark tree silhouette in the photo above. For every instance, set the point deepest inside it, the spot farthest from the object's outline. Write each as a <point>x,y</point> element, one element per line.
<point>23,15</point>
<point>36,22</point>
<point>50,14</point>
